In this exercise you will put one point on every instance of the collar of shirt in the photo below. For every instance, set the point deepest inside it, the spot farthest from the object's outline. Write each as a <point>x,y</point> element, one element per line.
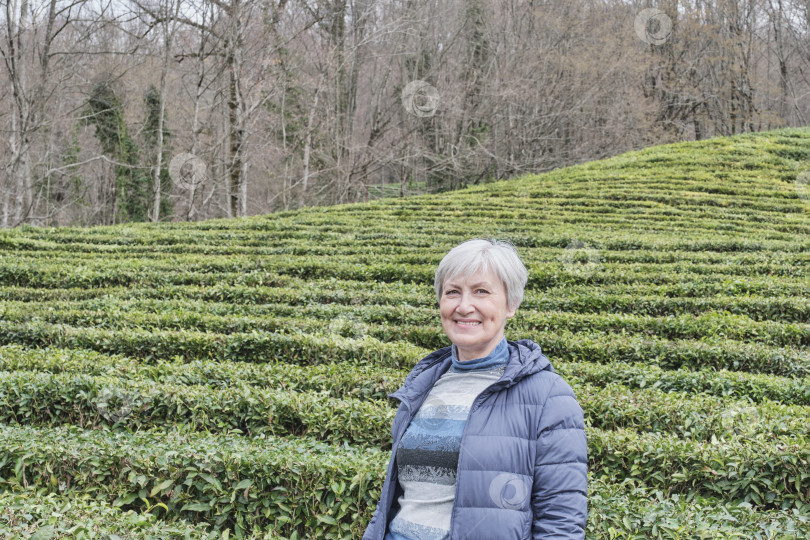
<point>499,357</point>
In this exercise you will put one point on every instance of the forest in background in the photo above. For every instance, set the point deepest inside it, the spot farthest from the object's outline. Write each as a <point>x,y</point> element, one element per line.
<point>168,110</point>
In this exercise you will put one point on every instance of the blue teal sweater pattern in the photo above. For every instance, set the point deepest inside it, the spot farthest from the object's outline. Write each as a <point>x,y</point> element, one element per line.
<point>427,455</point>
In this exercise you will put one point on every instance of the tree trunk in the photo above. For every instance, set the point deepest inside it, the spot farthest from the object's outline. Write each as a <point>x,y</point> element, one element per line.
<point>168,27</point>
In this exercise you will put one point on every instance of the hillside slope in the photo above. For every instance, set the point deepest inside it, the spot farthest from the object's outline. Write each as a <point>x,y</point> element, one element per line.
<point>232,374</point>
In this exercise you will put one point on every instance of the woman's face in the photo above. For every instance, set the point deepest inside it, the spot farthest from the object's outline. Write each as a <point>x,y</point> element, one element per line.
<point>474,313</point>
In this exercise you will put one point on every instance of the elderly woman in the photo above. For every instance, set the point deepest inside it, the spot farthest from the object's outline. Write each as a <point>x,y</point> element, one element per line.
<point>488,442</point>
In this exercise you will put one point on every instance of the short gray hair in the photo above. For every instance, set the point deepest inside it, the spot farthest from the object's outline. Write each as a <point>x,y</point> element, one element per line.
<point>500,256</point>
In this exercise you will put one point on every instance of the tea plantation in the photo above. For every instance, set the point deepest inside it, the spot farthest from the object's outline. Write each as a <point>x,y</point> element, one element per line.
<point>229,378</point>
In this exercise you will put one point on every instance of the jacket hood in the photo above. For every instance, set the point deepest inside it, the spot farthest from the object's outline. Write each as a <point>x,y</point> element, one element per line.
<point>525,358</point>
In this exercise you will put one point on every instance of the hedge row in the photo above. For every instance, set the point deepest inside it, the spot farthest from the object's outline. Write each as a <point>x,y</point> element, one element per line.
<point>227,319</point>
<point>689,416</point>
<point>655,301</point>
<point>732,327</point>
<point>397,244</point>
<point>614,266</point>
<point>342,379</point>
<point>305,228</point>
<point>101,273</point>
<point>776,477</point>
<point>292,487</point>
<point>346,379</point>
<point>757,388</point>
<point>316,349</point>
<point>256,294</point>
<point>715,354</point>
<point>758,457</point>
<point>622,509</point>
<point>296,484</point>
<point>631,511</point>
<point>89,402</point>
<point>252,347</point>
<point>758,308</point>
<point>40,515</point>
<point>271,407</point>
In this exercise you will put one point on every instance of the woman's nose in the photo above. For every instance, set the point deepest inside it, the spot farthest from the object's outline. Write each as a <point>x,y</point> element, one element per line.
<point>465,304</point>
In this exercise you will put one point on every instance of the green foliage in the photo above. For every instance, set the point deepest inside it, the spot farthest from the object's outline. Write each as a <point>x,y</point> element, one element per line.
<point>39,515</point>
<point>295,485</point>
<point>71,189</point>
<point>757,388</point>
<point>105,112</point>
<point>284,486</point>
<point>230,377</point>
<point>151,100</point>
<point>151,123</point>
<point>629,509</point>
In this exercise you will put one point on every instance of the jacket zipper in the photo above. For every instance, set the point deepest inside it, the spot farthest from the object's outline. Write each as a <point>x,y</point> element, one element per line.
<point>475,404</point>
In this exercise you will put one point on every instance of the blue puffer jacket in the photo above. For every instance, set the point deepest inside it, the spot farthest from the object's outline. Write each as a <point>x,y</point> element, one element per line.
<point>522,466</point>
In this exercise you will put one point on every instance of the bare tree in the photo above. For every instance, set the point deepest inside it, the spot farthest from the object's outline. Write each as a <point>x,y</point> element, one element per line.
<point>329,101</point>
<point>27,52</point>
<point>163,20</point>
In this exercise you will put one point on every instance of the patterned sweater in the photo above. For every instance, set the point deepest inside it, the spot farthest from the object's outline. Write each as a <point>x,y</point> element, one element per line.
<point>427,455</point>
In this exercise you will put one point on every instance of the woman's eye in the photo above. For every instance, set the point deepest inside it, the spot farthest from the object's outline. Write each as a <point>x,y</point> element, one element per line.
<point>482,290</point>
